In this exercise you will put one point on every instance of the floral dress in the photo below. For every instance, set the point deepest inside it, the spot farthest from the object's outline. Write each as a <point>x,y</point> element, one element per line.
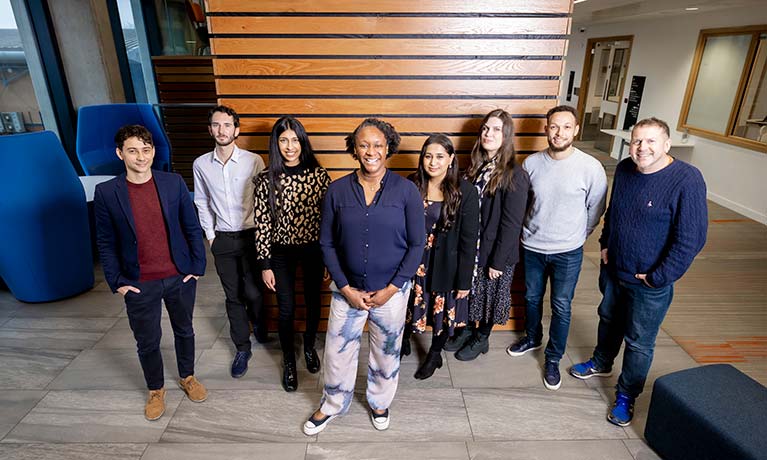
<point>440,310</point>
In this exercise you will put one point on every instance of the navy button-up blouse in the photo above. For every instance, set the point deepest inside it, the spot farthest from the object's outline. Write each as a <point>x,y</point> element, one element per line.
<point>369,247</point>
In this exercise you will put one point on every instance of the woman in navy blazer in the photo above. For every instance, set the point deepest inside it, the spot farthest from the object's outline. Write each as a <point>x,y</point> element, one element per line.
<point>443,279</point>
<point>503,186</point>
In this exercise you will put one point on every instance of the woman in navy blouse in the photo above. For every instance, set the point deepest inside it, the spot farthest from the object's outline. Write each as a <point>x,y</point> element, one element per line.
<point>372,239</point>
<point>442,281</point>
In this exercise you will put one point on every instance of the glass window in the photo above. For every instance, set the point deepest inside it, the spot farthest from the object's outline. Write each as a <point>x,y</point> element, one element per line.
<point>18,103</point>
<point>726,97</point>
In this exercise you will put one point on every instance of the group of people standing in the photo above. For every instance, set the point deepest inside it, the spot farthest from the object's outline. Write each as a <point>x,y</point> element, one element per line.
<point>437,249</point>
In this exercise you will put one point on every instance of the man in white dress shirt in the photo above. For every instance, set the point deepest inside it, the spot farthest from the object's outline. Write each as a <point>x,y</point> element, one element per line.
<point>224,196</point>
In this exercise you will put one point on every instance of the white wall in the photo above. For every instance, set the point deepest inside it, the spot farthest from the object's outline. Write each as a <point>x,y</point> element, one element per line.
<point>662,51</point>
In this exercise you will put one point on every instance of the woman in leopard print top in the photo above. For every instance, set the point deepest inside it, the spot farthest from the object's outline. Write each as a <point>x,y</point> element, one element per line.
<point>287,214</point>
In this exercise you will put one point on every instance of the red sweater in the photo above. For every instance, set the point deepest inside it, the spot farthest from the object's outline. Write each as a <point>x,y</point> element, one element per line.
<point>153,252</point>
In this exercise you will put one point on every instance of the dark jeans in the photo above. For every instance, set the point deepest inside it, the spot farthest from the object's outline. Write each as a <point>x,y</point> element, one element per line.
<point>235,257</point>
<point>144,313</point>
<point>634,313</point>
<point>563,270</point>
<point>284,262</point>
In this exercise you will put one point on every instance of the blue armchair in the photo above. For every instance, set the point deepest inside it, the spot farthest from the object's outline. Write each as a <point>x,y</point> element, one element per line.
<point>96,128</point>
<point>45,249</point>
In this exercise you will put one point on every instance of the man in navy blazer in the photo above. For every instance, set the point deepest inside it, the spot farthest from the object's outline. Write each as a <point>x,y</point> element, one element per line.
<point>151,249</point>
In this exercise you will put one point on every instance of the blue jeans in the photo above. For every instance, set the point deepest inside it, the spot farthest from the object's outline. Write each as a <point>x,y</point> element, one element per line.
<point>634,313</point>
<point>563,269</point>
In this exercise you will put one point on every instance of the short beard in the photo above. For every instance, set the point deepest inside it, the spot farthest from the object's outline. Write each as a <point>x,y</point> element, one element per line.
<point>554,149</point>
<point>223,145</point>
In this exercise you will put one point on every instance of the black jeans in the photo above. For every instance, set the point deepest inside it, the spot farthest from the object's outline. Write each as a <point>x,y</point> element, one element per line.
<point>284,262</point>
<point>144,313</point>
<point>235,257</point>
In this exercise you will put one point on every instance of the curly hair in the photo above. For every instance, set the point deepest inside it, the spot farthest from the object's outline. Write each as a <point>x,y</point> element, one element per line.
<point>128,131</point>
<point>391,135</point>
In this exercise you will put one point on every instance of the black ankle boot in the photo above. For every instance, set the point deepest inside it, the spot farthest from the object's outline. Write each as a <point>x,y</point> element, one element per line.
<point>405,349</point>
<point>432,363</point>
<point>476,345</point>
<point>457,341</point>
<point>289,375</point>
<point>312,360</point>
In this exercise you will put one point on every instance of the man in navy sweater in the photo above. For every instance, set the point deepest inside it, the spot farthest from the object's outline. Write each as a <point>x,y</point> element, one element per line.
<point>654,227</point>
<point>151,250</point>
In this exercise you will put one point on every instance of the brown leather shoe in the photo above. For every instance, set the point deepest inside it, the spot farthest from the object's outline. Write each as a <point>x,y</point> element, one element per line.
<point>155,404</point>
<point>193,389</point>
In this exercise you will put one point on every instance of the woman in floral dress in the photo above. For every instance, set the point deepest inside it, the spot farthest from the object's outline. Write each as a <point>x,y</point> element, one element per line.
<point>442,282</point>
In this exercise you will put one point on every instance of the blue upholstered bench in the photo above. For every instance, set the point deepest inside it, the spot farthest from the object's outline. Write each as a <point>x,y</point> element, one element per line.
<point>709,412</point>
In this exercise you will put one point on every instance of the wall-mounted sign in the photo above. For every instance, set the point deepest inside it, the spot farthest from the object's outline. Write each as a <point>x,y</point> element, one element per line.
<point>634,101</point>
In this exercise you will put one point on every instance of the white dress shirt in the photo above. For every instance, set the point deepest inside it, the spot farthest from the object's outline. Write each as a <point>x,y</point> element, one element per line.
<point>224,193</point>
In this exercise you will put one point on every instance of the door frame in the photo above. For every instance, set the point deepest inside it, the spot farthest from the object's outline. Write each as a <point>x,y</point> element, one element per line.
<point>586,74</point>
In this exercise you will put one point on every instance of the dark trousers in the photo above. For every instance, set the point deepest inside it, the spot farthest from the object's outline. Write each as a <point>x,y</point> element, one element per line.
<point>285,260</point>
<point>235,257</point>
<point>562,270</point>
<point>630,313</point>
<point>144,313</point>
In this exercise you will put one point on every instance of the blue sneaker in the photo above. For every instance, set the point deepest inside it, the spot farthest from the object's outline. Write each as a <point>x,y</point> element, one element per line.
<point>622,411</point>
<point>588,369</point>
<point>240,363</point>
<point>551,377</point>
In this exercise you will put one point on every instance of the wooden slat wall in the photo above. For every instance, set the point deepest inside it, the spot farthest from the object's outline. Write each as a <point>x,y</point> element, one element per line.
<point>187,91</point>
<point>425,66</point>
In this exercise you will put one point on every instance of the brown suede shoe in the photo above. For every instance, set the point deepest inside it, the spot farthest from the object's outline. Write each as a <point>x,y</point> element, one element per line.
<point>193,389</point>
<point>155,404</point>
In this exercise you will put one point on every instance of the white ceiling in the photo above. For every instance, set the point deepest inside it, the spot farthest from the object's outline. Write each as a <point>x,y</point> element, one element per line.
<point>606,11</point>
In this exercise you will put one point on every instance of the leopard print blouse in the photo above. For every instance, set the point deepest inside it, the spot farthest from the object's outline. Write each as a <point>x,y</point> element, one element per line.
<point>298,220</point>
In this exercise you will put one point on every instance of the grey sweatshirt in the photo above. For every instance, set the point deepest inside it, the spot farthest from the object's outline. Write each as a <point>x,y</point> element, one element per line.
<point>567,200</point>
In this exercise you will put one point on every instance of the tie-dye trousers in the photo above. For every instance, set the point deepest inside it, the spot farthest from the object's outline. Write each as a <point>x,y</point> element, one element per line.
<point>342,347</point>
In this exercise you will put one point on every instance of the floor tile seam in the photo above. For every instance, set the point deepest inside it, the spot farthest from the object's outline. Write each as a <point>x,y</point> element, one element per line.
<point>45,393</point>
<point>468,418</point>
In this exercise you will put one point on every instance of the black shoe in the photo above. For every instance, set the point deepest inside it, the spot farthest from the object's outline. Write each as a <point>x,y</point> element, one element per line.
<point>477,344</point>
<point>405,349</point>
<point>312,360</point>
<point>551,377</point>
<point>261,333</point>
<point>457,341</point>
<point>289,376</point>
<point>522,346</point>
<point>432,363</point>
<point>240,363</point>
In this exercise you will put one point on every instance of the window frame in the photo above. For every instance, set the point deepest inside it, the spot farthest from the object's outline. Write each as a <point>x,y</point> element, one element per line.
<point>755,31</point>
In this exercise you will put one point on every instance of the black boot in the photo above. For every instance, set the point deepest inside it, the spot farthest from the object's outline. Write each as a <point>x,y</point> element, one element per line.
<point>476,345</point>
<point>312,360</point>
<point>405,349</point>
<point>457,341</point>
<point>432,363</point>
<point>289,375</point>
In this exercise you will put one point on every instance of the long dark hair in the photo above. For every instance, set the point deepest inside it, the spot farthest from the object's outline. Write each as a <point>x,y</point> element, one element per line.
<point>277,164</point>
<point>503,174</point>
<point>450,186</point>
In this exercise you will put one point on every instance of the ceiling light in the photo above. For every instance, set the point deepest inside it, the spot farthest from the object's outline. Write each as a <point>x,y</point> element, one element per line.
<point>692,8</point>
<point>578,1</point>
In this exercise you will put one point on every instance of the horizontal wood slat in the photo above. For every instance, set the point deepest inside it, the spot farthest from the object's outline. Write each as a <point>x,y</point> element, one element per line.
<point>387,67</point>
<point>386,47</point>
<point>390,6</point>
<point>389,25</point>
<point>403,125</point>
<point>309,87</point>
<point>408,143</point>
<point>388,106</point>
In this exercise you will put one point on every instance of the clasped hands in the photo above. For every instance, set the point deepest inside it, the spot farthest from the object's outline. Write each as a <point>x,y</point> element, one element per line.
<point>364,300</point>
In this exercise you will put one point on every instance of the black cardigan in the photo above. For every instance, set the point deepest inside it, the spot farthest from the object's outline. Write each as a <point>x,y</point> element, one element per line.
<point>501,223</point>
<point>454,250</point>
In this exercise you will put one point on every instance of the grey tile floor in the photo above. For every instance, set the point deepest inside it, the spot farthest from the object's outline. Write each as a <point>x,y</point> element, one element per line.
<point>72,389</point>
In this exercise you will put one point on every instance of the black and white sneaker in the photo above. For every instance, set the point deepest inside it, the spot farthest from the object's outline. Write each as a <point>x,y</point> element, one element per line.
<point>522,346</point>
<point>380,421</point>
<point>314,426</point>
<point>551,378</point>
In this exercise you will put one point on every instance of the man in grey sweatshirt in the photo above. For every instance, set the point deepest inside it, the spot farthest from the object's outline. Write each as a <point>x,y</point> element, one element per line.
<point>568,191</point>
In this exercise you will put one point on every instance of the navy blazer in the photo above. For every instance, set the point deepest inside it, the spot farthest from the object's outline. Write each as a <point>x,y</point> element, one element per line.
<point>501,222</point>
<point>116,230</point>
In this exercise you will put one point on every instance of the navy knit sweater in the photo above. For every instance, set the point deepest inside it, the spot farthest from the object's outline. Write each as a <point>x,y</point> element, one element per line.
<point>655,223</point>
